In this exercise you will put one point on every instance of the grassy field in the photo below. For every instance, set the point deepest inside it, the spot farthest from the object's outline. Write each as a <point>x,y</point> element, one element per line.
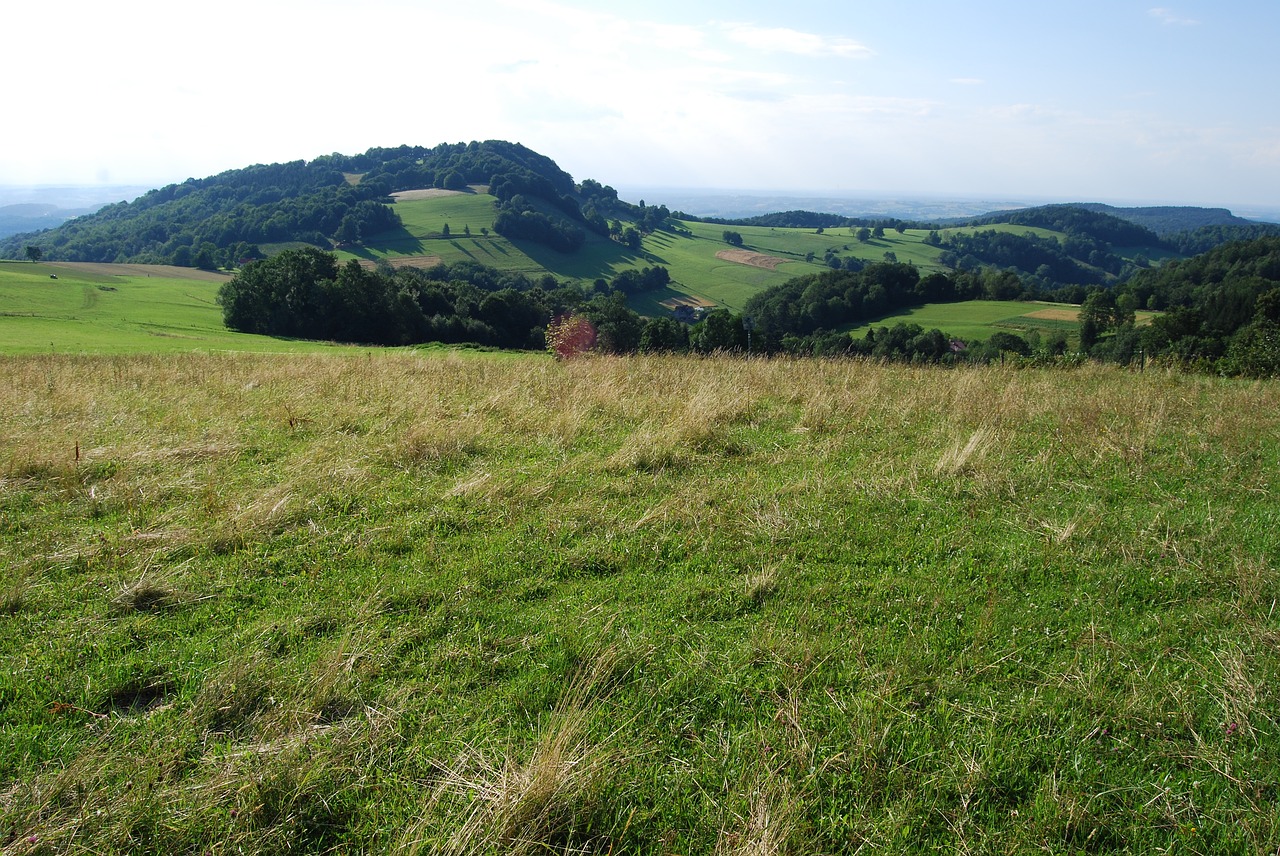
<point>978,319</point>
<point>393,603</point>
<point>688,251</point>
<point>119,309</point>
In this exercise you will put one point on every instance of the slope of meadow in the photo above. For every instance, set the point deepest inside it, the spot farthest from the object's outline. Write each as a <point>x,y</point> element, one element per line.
<point>119,309</point>
<point>688,250</point>
<point>395,603</point>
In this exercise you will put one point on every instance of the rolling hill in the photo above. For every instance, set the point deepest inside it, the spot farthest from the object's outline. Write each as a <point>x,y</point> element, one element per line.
<point>514,209</point>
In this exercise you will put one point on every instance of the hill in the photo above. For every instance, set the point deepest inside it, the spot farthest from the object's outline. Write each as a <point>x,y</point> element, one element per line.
<point>1168,220</point>
<point>552,225</point>
<point>221,221</point>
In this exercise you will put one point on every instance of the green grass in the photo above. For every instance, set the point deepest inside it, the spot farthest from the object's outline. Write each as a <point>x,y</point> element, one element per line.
<point>84,312</point>
<point>1007,228</point>
<point>978,319</point>
<point>398,603</point>
<point>688,251</point>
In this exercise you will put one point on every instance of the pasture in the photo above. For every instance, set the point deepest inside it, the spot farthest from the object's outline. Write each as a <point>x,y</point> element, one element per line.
<point>978,319</point>
<point>399,603</point>
<point>119,309</point>
<point>688,251</point>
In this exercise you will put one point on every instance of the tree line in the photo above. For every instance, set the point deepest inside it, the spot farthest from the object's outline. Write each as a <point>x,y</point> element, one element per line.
<point>305,293</point>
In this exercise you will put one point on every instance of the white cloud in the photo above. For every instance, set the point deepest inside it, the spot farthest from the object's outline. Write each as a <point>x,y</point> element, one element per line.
<point>786,40</point>
<point>1170,18</point>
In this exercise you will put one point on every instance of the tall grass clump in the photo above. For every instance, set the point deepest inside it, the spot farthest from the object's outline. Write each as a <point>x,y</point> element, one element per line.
<point>484,603</point>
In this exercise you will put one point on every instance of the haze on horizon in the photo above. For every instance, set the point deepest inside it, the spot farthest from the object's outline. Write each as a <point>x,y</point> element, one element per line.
<point>1092,100</point>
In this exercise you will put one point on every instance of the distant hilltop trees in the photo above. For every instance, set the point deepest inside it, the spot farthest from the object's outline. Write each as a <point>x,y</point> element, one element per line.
<point>338,200</point>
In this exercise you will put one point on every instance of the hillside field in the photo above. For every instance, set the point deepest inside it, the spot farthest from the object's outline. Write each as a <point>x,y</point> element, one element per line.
<point>402,603</point>
<point>688,250</point>
<point>978,319</point>
<point>119,309</point>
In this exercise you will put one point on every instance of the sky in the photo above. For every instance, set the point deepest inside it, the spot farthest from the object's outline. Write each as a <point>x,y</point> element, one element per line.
<point>1067,100</point>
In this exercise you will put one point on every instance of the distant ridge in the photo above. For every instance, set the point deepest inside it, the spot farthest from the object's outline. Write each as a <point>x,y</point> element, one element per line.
<point>1166,220</point>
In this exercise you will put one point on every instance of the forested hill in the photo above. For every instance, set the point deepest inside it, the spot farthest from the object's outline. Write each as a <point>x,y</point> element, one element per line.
<point>1185,230</point>
<point>332,200</point>
<point>1075,221</point>
<point>1166,220</point>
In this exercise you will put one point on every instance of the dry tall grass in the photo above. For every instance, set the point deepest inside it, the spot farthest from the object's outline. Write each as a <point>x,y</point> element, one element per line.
<point>150,488</point>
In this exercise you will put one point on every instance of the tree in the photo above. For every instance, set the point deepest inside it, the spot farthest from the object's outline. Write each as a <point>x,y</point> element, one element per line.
<point>34,253</point>
<point>863,234</point>
<point>732,238</point>
<point>204,256</point>
<point>720,330</point>
<point>1004,341</point>
<point>1099,310</point>
<point>445,230</point>
<point>570,336</point>
<point>664,334</point>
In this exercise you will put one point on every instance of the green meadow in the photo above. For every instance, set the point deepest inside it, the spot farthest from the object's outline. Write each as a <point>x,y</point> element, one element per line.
<point>402,603</point>
<point>105,309</point>
<point>688,251</point>
<point>978,319</point>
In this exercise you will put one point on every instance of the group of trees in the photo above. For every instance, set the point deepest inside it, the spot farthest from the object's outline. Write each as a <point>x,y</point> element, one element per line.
<point>834,299</point>
<point>305,293</point>
<point>518,219</point>
<point>1219,309</point>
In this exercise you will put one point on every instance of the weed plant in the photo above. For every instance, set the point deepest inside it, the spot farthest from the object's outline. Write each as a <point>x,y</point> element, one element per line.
<point>466,604</point>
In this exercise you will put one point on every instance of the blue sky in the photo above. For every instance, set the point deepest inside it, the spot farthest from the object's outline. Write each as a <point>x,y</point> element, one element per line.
<point>1079,100</point>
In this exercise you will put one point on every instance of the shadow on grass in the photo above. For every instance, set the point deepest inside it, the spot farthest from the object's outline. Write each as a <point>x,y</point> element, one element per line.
<point>649,303</point>
<point>398,241</point>
<point>599,258</point>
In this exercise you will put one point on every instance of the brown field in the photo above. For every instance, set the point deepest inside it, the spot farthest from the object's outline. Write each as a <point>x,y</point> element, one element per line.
<point>746,257</point>
<point>1055,314</point>
<point>436,192</point>
<point>1140,317</point>
<point>165,271</point>
<point>405,261</point>
<point>687,300</point>
<point>424,193</point>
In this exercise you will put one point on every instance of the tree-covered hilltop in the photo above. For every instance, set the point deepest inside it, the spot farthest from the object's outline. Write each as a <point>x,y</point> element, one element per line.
<point>332,200</point>
<point>1075,221</point>
<point>1170,220</point>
